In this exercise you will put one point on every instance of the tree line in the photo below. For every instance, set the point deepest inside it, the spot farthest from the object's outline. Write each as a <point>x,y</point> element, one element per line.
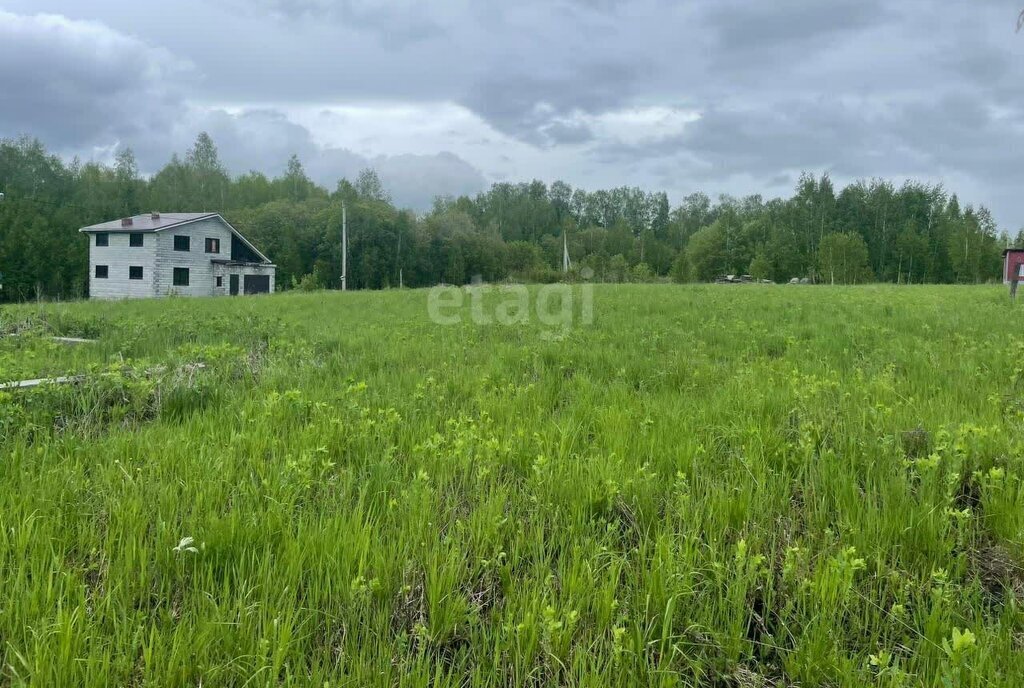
<point>867,231</point>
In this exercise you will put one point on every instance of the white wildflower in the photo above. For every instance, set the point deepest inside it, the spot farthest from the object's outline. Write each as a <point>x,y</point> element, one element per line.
<point>185,545</point>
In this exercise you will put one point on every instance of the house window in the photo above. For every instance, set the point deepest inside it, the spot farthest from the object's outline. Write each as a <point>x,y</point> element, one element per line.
<point>212,245</point>
<point>135,272</point>
<point>135,239</point>
<point>220,281</point>
<point>102,239</point>
<point>181,243</point>
<point>181,277</point>
<point>102,271</point>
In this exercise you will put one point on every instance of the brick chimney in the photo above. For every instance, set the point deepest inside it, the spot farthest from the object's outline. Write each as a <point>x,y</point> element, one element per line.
<point>126,222</point>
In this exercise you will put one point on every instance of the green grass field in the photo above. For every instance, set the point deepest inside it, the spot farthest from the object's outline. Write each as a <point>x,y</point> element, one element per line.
<point>707,486</point>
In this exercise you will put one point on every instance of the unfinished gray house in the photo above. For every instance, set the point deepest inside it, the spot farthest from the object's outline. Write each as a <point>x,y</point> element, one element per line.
<point>164,254</point>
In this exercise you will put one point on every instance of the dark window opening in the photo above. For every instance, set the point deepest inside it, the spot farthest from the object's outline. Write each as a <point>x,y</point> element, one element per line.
<point>181,243</point>
<point>136,240</point>
<point>181,277</point>
<point>102,239</point>
<point>220,281</point>
<point>242,253</point>
<point>212,245</point>
<point>135,272</point>
<point>102,271</point>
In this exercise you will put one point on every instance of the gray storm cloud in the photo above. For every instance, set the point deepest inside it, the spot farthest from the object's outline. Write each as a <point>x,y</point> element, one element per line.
<point>77,83</point>
<point>82,86</point>
<point>878,88</point>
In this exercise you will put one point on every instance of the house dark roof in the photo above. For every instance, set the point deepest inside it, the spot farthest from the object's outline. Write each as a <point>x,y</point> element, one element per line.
<point>150,222</point>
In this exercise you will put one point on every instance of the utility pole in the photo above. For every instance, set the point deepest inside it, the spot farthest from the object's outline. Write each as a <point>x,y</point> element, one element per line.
<point>398,257</point>
<point>566,263</point>
<point>344,247</point>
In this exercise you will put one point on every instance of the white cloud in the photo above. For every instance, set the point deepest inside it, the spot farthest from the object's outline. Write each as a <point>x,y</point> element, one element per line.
<point>641,124</point>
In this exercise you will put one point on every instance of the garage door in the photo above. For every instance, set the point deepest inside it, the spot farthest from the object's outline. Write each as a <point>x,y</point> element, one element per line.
<point>257,284</point>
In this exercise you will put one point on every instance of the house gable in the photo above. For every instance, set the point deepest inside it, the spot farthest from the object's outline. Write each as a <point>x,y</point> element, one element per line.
<point>163,222</point>
<point>196,260</point>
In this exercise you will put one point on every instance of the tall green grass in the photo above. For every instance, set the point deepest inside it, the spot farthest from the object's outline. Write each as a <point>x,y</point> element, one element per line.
<point>706,486</point>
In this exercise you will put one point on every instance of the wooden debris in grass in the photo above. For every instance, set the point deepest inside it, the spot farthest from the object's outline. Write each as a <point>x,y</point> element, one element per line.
<point>189,368</point>
<point>73,340</point>
<point>27,384</point>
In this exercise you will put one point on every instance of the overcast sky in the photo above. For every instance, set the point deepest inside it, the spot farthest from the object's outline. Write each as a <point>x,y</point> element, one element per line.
<point>724,96</point>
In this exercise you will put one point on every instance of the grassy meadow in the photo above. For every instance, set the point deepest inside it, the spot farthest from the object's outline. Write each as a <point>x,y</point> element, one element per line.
<point>706,486</point>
